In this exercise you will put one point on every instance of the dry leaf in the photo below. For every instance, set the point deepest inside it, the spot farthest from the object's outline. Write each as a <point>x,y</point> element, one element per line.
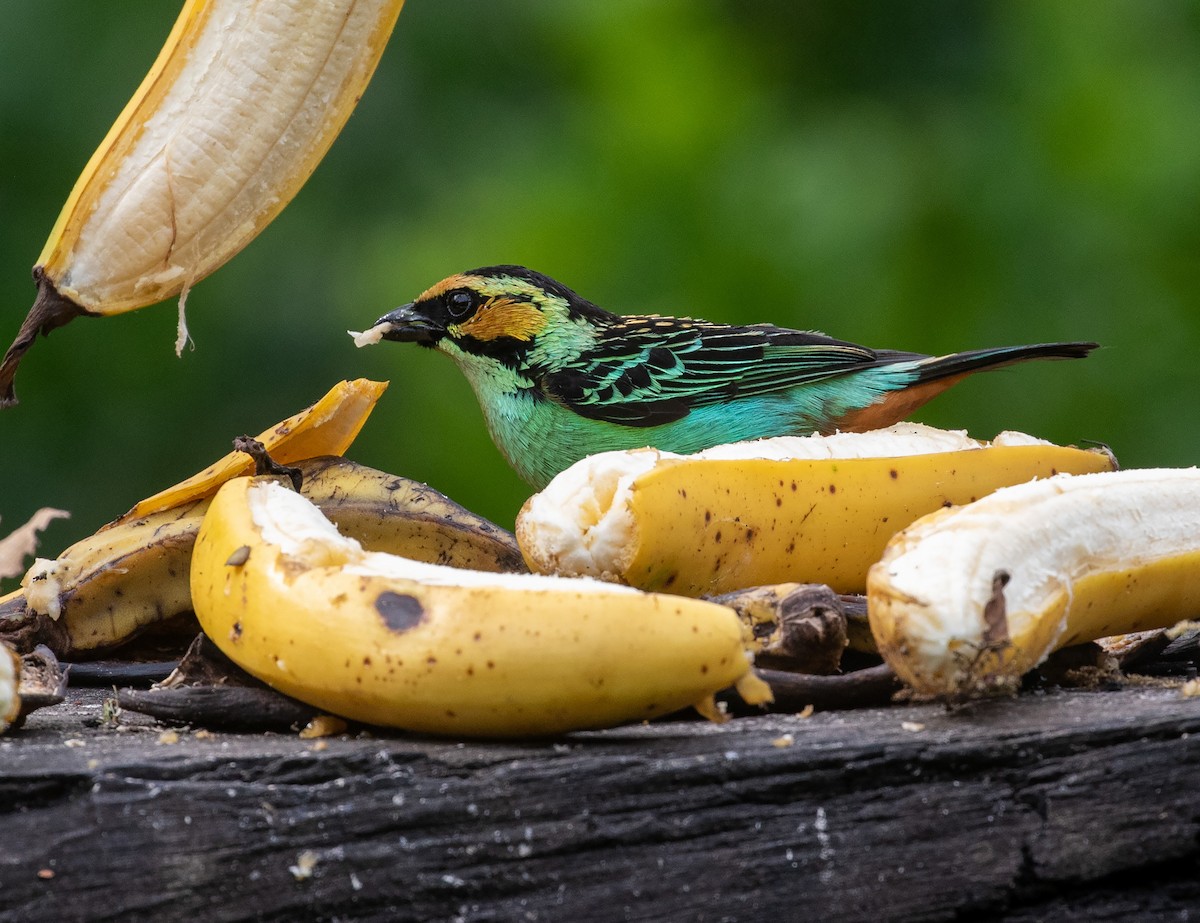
<point>15,548</point>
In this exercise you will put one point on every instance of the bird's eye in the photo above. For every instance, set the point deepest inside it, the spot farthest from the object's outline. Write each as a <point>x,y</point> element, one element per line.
<point>460,304</point>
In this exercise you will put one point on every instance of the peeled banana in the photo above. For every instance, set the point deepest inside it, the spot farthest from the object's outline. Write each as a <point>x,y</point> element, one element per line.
<point>105,589</point>
<point>813,509</point>
<point>390,641</point>
<point>232,118</point>
<point>967,600</point>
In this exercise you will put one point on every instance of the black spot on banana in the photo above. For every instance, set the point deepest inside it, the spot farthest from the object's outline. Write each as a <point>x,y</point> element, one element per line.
<point>400,611</point>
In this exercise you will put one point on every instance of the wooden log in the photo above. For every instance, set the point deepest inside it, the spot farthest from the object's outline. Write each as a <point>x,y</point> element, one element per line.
<point>1042,804</point>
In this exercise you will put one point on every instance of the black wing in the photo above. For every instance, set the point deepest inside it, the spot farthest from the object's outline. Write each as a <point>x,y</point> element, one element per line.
<point>648,370</point>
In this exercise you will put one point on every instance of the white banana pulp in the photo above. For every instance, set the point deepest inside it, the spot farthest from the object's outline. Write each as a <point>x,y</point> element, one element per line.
<point>1045,535</point>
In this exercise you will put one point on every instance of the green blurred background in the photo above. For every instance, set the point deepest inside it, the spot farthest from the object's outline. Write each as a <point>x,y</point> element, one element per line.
<point>929,176</point>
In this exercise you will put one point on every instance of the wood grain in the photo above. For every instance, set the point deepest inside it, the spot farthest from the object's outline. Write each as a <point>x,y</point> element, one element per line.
<point>1070,804</point>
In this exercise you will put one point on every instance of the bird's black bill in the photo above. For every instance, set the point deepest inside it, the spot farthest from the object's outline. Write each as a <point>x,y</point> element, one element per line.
<point>408,325</point>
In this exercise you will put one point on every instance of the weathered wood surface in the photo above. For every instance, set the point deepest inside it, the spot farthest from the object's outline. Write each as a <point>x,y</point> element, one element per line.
<point>1066,805</point>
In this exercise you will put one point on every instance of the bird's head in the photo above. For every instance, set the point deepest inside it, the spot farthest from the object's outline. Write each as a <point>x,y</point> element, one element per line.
<point>499,312</point>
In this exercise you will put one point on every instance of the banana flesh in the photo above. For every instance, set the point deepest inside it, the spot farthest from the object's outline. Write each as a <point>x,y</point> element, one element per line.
<point>232,118</point>
<point>967,600</point>
<point>815,509</point>
<point>107,588</point>
<point>10,678</point>
<point>390,641</point>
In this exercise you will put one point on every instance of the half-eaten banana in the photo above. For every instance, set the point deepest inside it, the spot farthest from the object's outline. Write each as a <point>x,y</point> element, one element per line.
<point>967,600</point>
<point>811,509</point>
<point>390,641</point>
<point>240,106</point>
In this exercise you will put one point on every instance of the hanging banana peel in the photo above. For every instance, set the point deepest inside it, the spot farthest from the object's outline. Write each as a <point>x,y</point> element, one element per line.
<point>241,104</point>
<point>813,509</point>
<point>390,641</point>
<point>965,601</point>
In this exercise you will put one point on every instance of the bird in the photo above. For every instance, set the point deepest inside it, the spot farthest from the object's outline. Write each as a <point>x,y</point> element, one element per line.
<point>559,378</point>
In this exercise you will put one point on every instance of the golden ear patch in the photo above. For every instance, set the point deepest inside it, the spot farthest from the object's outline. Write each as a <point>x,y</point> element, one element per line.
<point>450,282</point>
<point>504,317</point>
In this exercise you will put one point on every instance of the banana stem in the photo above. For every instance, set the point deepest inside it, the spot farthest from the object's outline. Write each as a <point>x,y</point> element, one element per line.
<point>265,464</point>
<point>50,310</point>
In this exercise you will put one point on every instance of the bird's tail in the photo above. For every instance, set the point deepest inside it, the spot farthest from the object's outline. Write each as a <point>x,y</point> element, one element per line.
<point>977,360</point>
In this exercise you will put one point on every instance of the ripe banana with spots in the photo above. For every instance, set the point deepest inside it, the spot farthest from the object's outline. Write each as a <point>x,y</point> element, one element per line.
<point>240,106</point>
<point>388,513</point>
<point>106,588</point>
<point>391,641</point>
<point>813,509</point>
<point>967,600</point>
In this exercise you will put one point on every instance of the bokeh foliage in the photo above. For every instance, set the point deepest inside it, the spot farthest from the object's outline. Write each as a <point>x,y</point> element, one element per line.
<point>928,175</point>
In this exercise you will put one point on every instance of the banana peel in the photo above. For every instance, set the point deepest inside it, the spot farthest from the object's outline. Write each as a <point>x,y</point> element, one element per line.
<point>240,106</point>
<point>965,601</point>
<point>389,641</point>
<point>125,579</point>
<point>132,573</point>
<point>815,509</point>
<point>797,627</point>
<point>328,427</point>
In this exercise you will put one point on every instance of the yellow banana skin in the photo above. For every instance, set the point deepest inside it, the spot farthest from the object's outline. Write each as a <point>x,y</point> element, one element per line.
<point>232,118</point>
<point>105,589</point>
<point>716,522</point>
<point>328,427</point>
<point>389,641</point>
<point>966,601</point>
